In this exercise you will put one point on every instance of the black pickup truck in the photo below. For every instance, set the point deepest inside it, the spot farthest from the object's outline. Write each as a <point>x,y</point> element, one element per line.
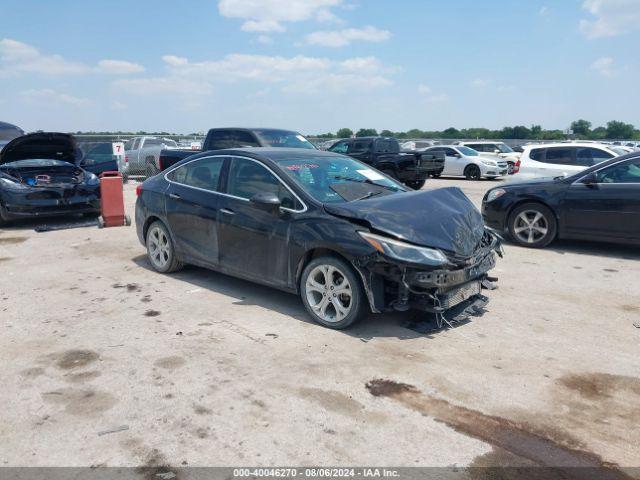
<point>383,153</point>
<point>221,138</point>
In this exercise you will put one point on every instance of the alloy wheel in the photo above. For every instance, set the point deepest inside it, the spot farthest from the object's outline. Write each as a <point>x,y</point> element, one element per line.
<point>531,226</point>
<point>159,247</point>
<point>329,293</point>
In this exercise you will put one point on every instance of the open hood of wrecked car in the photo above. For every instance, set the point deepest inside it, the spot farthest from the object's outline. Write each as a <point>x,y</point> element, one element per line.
<point>46,145</point>
<point>443,218</point>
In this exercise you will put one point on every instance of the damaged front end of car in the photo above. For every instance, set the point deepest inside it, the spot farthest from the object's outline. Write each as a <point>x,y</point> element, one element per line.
<point>431,252</point>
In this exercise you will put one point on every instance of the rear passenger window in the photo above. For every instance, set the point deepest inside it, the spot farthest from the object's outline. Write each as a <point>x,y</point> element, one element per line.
<point>360,146</point>
<point>340,147</point>
<point>537,154</point>
<point>560,156</point>
<point>204,173</point>
<point>247,178</point>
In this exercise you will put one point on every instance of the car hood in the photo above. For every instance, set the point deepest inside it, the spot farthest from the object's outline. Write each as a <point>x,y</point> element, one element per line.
<point>443,218</point>
<point>54,146</point>
<point>524,182</point>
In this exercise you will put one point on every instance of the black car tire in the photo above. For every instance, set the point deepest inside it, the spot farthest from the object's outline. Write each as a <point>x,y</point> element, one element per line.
<point>538,223</point>
<point>511,166</point>
<point>328,296</point>
<point>160,249</point>
<point>389,173</point>
<point>3,216</point>
<point>416,184</point>
<point>472,172</point>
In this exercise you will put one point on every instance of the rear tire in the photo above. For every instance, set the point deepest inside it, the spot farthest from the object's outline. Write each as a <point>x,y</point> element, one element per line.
<point>332,293</point>
<point>161,250</point>
<point>533,225</point>
<point>472,172</point>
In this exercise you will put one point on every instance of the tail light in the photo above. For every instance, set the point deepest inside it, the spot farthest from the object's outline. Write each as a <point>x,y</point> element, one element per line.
<point>126,159</point>
<point>139,190</point>
<point>160,164</point>
<point>516,167</point>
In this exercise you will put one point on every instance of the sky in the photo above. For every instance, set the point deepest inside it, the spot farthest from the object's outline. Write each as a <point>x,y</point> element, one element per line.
<point>317,65</point>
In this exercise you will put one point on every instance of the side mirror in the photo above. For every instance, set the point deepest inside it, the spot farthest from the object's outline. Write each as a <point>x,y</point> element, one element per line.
<point>496,151</point>
<point>269,202</point>
<point>590,180</point>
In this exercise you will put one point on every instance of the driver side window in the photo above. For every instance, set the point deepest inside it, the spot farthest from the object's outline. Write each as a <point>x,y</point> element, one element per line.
<point>626,172</point>
<point>340,147</point>
<point>247,178</point>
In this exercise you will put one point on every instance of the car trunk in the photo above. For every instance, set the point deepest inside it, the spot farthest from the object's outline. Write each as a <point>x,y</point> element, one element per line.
<point>443,218</point>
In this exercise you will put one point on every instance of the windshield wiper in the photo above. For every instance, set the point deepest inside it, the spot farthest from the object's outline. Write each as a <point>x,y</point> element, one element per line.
<point>368,195</point>
<point>371,182</point>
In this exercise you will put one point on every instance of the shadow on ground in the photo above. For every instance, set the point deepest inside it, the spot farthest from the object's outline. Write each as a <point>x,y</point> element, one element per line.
<point>407,325</point>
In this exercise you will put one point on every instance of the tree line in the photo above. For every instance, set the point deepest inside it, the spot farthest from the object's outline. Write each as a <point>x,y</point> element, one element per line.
<point>582,130</point>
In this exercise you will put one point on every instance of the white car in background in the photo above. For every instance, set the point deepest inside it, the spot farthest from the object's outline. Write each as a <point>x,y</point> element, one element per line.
<point>417,145</point>
<point>562,159</point>
<point>492,149</point>
<point>464,161</point>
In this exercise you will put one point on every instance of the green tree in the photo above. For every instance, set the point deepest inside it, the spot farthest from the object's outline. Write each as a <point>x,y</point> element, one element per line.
<point>619,130</point>
<point>387,133</point>
<point>367,132</point>
<point>451,133</point>
<point>581,128</point>
<point>344,133</point>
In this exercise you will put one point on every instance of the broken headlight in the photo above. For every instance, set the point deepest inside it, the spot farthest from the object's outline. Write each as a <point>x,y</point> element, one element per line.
<point>404,252</point>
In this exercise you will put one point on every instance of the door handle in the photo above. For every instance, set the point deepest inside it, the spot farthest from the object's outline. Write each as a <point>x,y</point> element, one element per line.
<point>227,211</point>
<point>175,196</point>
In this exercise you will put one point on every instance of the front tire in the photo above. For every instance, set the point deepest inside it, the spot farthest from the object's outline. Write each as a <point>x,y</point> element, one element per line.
<point>533,225</point>
<point>332,293</point>
<point>161,250</point>
<point>416,184</point>
<point>511,166</point>
<point>472,172</point>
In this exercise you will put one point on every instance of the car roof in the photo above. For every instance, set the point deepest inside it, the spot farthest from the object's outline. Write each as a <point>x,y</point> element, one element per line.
<point>480,142</point>
<point>567,144</point>
<point>274,154</point>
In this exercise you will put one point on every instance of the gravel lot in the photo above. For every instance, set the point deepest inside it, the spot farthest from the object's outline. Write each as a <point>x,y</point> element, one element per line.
<point>205,369</point>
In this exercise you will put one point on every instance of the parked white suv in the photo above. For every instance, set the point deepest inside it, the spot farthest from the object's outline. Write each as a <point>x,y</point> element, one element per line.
<point>464,161</point>
<point>491,149</point>
<point>561,159</point>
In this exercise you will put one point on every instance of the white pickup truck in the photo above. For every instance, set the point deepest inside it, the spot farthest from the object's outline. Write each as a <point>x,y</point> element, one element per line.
<point>141,153</point>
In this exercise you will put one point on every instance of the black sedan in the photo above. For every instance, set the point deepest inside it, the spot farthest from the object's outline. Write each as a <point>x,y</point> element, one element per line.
<point>41,174</point>
<point>345,237</point>
<point>601,203</point>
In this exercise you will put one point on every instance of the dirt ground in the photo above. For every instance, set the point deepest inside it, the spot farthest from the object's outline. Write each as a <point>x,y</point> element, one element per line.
<point>201,369</point>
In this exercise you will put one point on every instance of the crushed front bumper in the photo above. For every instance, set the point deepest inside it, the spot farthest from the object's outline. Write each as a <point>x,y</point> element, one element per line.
<point>399,287</point>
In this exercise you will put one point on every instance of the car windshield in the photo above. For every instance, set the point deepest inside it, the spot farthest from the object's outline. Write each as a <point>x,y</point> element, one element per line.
<point>285,139</point>
<point>36,163</point>
<point>338,179</point>
<point>468,152</point>
<point>504,148</point>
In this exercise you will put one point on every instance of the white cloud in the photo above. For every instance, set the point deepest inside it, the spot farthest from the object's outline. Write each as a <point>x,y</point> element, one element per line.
<point>46,97</point>
<point>439,98</point>
<point>341,38</point>
<point>480,82</point>
<point>605,66</point>
<point>426,92</point>
<point>118,67</point>
<point>18,57</point>
<point>265,39</point>
<point>612,17</point>
<point>270,15</point>
<point>292,74</point>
